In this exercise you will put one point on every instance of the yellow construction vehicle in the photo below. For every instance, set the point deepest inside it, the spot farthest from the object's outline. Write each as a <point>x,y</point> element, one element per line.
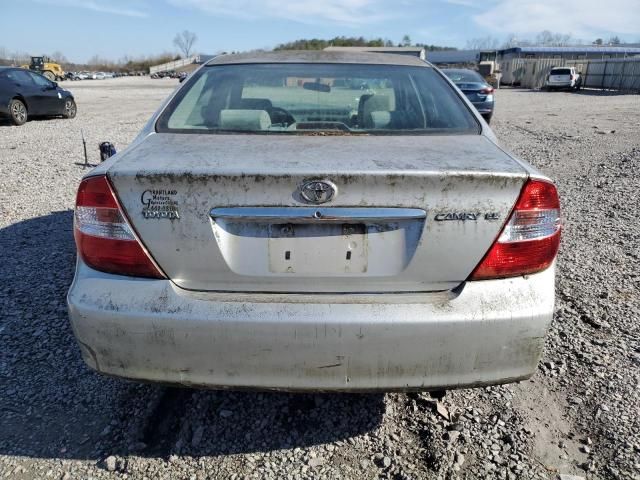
<point>43,65</point>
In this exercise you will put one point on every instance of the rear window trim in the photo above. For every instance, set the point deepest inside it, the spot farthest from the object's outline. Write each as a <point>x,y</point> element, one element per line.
<point>180,92</point>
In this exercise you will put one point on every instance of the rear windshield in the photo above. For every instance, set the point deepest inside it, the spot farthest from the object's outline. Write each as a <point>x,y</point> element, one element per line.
<point>560,71</point>
<point>463,76</point>
<point>317,99</point>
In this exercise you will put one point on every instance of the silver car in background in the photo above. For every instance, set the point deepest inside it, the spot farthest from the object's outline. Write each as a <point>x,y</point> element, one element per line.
<point>315,221</point>
<point>475,88</point>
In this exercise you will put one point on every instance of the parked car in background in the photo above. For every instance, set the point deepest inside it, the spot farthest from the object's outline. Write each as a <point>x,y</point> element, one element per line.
<point>563,78</point>
<point>25,94</point>
<point>77,75</point>
<point>476,89</point>
<point>273,228</point>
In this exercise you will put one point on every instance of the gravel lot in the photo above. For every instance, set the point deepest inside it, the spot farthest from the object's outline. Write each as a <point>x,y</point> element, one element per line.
<point>579,415</point>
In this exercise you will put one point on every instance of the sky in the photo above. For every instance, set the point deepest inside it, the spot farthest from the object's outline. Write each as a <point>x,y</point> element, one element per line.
<point>115,28</point>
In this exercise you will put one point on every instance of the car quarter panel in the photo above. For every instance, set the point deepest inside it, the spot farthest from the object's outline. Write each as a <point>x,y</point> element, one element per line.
<point>485,332</point>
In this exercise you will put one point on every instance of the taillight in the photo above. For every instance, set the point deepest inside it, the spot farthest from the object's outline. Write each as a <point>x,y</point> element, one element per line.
<point>487,91</point>
<point>104,238</point>
<point>529,241</point>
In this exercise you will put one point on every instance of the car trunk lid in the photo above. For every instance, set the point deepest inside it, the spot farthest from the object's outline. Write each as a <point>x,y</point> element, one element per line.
<point>474,91</point>
<point>226,212</point>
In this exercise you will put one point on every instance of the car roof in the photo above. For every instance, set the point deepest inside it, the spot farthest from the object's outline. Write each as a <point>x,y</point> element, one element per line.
<point>319,56</point>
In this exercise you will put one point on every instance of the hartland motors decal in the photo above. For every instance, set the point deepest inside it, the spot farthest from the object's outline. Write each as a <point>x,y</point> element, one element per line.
<point>160,204</point>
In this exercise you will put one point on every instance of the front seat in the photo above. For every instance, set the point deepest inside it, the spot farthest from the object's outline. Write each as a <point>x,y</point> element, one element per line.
<point>372,103</point>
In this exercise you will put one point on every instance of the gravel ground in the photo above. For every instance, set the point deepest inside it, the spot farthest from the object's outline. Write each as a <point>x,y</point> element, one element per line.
<point>577,416</point>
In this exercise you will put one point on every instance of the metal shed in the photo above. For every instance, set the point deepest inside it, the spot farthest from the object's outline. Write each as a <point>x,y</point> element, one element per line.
<point>589,52</point>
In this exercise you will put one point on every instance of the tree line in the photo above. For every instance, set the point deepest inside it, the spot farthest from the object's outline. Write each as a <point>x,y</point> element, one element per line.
<point>95,63</point>
<point>342,41</point>
<point>546,38</point>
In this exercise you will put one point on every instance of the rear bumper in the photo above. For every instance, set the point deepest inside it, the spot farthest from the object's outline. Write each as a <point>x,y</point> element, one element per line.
<point>489,332</point>
<point>484,108</point>
<point>559,84</point>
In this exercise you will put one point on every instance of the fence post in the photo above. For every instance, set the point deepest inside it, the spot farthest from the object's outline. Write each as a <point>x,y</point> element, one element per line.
<point>604,75</point>
<point>624,64</point>
<point>586,75</point>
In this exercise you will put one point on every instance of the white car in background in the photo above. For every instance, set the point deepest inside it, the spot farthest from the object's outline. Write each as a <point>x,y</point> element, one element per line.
<point>563,78</point>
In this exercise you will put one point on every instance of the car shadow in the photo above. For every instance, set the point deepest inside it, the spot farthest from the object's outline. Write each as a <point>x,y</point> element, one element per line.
<point>582,91</point>
<point>5,122</point>
<point>604,93</point>
<point>53,406</point>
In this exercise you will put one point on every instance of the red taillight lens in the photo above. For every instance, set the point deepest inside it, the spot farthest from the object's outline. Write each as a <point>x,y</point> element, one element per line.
<point>529,240</point>
<point>487,90</point>
<point>104,239</point>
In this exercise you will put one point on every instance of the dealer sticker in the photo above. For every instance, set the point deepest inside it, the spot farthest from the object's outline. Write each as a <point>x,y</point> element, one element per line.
<point>160,204</point>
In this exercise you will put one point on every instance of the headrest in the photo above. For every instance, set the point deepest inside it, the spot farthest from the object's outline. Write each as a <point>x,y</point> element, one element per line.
<point>376,103</point>
<point>250,120</point>
<point>380,119</point>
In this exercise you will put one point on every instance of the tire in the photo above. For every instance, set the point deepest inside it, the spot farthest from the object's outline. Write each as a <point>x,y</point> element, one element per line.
<point>487,118</point>
<point>70,108</point>
<point>18,112</point>
<point>49,76</point>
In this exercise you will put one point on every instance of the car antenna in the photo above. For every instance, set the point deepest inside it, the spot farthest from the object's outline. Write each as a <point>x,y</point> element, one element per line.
<point>86,163</point>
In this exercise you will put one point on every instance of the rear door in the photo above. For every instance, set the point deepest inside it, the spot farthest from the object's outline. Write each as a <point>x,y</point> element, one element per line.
<point>24,85</point>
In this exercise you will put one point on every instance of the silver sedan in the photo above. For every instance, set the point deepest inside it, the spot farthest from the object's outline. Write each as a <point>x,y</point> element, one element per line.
<point>315,221</point>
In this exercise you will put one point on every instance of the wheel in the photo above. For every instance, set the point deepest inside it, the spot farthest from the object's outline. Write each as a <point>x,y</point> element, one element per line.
<point>18,112</point>
<point>50,76</point>
<point>70,108</point>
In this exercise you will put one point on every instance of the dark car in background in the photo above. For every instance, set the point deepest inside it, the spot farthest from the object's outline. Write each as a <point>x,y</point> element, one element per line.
<point>25,94</point>
<point>476,88</point>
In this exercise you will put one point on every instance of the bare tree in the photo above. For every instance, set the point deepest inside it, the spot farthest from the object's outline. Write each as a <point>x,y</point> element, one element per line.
<point>513,41</point>
<point>406,41</point>
<point>184,41</point>
<point>21,58</point>
<point>615,40</point>
<point>484,43</point>
<point>59,57</point>
<point>551,39</point>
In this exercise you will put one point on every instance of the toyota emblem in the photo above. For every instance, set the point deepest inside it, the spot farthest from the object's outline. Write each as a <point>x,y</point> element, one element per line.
<point>318,191</point>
